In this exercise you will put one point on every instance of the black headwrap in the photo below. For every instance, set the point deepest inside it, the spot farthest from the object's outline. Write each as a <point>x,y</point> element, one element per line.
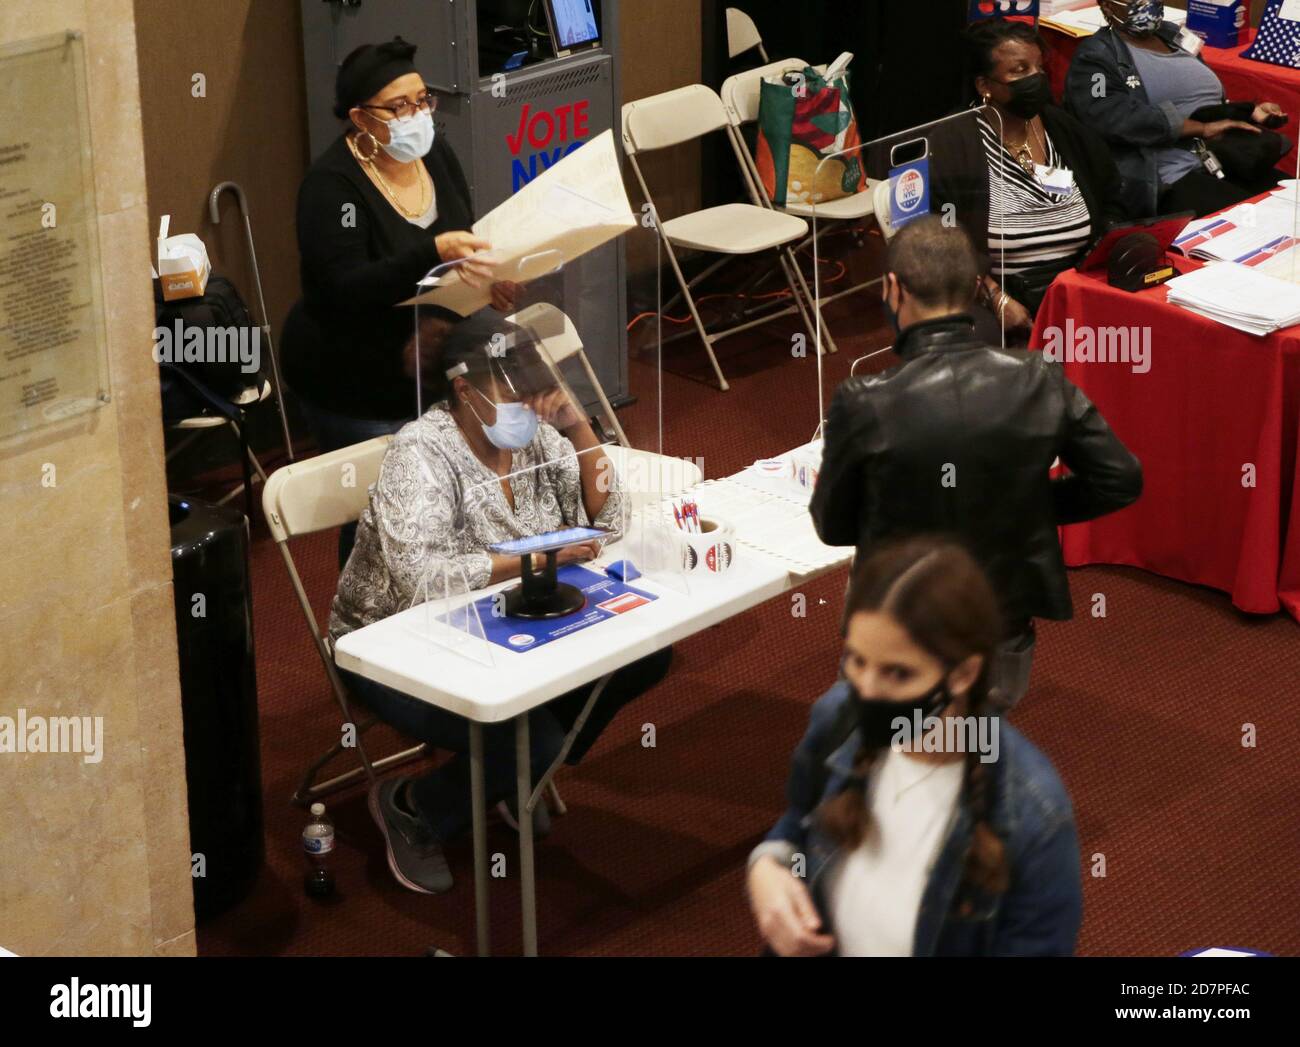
<point>367,69</point>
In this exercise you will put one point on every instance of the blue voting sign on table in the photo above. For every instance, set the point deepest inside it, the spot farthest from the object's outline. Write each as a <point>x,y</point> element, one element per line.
<point>606,596</point>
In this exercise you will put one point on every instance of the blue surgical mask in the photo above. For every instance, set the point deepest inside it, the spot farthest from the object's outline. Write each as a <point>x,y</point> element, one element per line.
<point>515,427</point>
<point>410,138</point>
<point>1144,17</point>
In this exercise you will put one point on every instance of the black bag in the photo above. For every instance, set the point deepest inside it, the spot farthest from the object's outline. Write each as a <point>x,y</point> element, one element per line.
<point>1247,159</point>
<point>228,331</point>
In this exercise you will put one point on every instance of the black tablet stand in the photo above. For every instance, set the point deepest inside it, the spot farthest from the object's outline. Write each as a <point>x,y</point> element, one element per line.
<point>541,594</point>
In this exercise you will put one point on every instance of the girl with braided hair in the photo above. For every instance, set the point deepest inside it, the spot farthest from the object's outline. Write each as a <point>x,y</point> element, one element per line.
<point>919,823</point>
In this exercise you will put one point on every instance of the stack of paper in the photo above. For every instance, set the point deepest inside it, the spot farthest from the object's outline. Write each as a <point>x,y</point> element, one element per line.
<point>1248,233</point>
<point>1238,296</point>
<point>572,208</point>
<point>1088,20</point>
<point>1047,8</point>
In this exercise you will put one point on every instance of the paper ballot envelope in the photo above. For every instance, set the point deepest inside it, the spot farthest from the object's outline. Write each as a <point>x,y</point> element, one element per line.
<point>183,266</point>
<point>563,213</point>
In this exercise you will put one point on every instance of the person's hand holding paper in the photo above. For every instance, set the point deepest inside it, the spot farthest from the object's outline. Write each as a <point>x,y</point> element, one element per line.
<point>476,266</point>
<point>570,209</point>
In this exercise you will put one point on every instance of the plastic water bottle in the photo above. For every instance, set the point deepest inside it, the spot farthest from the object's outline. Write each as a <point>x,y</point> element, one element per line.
<point>317,844</point>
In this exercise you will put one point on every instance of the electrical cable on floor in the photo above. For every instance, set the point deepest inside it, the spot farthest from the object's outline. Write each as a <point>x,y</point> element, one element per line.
<point>843,271</point>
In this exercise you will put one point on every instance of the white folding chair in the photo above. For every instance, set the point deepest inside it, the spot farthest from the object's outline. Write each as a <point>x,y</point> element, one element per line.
<point>884,217</point>
<point>740,96</point>
<point>742,35</point>
<point>730,230</point>
<point>320,493</point>
<point>561,340</point>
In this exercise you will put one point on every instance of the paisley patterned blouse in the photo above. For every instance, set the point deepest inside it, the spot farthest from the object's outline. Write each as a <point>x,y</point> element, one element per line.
<point>436,505</point>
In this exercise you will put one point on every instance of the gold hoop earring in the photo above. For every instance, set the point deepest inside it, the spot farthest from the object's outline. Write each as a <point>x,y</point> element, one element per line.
<point>369,154</point>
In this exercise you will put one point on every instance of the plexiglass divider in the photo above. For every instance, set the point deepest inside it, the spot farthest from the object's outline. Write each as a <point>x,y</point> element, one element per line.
<point>469,600</point>
<point>927,170</point>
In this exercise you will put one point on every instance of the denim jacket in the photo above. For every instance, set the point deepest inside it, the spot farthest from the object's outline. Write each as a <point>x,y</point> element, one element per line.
<point>1104,91</point>
<point>1038,914</point>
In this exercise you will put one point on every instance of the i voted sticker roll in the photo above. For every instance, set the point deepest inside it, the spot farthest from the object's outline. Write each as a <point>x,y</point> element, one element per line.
<point>710,552</point>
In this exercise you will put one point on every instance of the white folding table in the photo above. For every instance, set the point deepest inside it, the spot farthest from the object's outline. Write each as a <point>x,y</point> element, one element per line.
<point>489,684</point>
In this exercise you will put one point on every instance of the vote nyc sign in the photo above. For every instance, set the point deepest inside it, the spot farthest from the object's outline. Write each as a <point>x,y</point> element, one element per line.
<point>543,137</point>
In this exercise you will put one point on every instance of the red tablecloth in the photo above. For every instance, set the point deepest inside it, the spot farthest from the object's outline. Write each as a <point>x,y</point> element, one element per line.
<point>1244,80</point>
<point>1214,401</point>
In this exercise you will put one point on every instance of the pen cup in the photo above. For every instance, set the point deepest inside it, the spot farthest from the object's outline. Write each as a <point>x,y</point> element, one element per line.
<point>710,552</point>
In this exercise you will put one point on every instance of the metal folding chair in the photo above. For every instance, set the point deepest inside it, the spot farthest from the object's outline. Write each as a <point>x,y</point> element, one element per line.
<point>740,96</point>
<point>742,35</point>
<point>300,499</point>
<point>730,230</point>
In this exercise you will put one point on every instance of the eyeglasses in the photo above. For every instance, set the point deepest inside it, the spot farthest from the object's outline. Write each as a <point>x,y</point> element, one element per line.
<point>425,103</point>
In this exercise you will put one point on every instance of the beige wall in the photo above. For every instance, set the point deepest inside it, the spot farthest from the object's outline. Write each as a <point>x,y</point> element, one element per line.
<point>249,127</point>
<point>660,50</point>
<point>94,858</point>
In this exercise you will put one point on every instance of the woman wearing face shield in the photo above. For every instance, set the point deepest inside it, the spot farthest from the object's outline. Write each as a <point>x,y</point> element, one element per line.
<point>498,457</point>
<point>1047,185</point>
<point>919,823</point>
<point>378,209</point>
<point>1141,83</point>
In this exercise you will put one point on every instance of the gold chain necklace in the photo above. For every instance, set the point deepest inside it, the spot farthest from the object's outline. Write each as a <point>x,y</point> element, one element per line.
<point>1024,156</point>
<point>388,190</point>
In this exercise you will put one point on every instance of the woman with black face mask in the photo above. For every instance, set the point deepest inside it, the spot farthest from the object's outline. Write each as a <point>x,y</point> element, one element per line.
<point>1051,187</point>
<point>920,824</point>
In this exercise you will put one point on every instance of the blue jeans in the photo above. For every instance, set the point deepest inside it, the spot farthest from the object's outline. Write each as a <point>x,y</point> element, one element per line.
<point>332,431</point>
<point>442,797</point>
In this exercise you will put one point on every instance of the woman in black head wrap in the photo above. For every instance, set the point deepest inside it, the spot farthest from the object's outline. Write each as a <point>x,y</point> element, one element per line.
<point>384,204</point>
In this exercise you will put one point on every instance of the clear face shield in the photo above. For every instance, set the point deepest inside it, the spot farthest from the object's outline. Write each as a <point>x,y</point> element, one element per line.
<point>510,380</point>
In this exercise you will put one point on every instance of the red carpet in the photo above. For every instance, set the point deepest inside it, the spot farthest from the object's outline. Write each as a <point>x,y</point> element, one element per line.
<point>1141,711</point>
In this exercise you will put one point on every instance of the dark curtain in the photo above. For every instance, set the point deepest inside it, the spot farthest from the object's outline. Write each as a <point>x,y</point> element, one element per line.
<point>907,53</point>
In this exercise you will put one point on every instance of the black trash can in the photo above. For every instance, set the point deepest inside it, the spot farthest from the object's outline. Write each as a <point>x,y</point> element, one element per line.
<point>214,637</point>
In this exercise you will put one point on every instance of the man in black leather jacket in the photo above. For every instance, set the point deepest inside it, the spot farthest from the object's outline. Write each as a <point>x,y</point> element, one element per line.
<point>959,440</point>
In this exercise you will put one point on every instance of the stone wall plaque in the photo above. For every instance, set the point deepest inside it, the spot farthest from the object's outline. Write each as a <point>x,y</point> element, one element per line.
<point>53,340</point>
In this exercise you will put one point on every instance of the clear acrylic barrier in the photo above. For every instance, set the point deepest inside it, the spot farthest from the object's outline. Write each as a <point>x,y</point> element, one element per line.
<point>561,477</point>
<point>925,169</point>
<point>467,597</point>
<point>541,361</point>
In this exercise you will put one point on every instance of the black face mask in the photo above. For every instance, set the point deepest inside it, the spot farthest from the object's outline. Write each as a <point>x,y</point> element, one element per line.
<point>876,716</point>
<point>1030,95</point>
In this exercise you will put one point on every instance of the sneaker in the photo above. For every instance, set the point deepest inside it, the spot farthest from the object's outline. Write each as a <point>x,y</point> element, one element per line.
<point>541,817</point>
<point>414,854</point>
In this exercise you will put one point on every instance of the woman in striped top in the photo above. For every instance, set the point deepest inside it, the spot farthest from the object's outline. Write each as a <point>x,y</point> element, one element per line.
<point>1048,187</point>
<point>1031,226</point>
